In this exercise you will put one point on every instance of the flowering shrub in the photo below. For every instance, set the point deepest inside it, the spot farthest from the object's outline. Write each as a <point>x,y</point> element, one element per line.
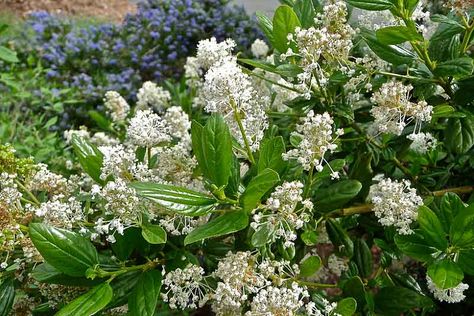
<point>328,178</point>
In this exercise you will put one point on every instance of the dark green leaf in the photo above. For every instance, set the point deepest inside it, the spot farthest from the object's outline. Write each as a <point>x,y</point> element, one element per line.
<point>346,307</point>
<point>310,238</point>
<point>371,5</point>
<point>101,120</point>
<point>416,246</point>
<point>46,273</point>
<point>257,188</point>
<point>89,303</point>
<point>144,297</point>
<point>126,243</point>
<point>445,31</point>
<point>68,252</point>
<point>288,70</point>
<point>7,295</point>
<point>89,157</point>
<point>284,22</point>
<point>270,155</point>
<point>466,261</point>
<point>154,234</point>
<point>465,95</point>
<point>354,287</point>
<point>310,266</point>
<point>176,199</point>
<point>339,238</point>
<point>393,35</point>
<point>445,274</point>
<point>336,196</point>
<point>363,258</point>
<point>394,300</point>
<point>442,110</point>
<point>455,68</point>
<point>459,137</point>
<point>228,223</point>
<point>432,229</point>
<point>259,64</point>
<point>462,229</point>
<point>392,54</point>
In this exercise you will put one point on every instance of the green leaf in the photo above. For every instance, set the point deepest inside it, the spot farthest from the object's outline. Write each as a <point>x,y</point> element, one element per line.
<point>89,303</point>
<point>177,199</point>
<point>259,64</point>
<point>346,307</point>
<point>342,242</point>
<point>266,25</point>
<point>284,22</point>
<point>363,258</point>
<point>215,156</point>
<point>288,70</point>
<point>416,247</point>
<point>144,297</point>
<point>462,228</point>
<point>310,266</point>
<point>393,35</point>
<point>459,137</point>
<point>392,54</point>
<point>411,5</point>
<point>432,228</point>
<point>68,252</point>
<point>445,31</point>
<point>337,195</point>
<point>270,155</point>
<point>46,273</point>
<point>100,120</point>
<point>466,261</point>
<point>228,223</point>
<point>371,5</point>
<point>445,274</point>
<point>125,244</point>
<point>257,188</point>
<point>305,11</point>
<point>354,287</point>
<point>442,110</point>
<point>394,300</point>
<point>262,235</point>
<point>465,95</point>
<point>454,68</point>
<point>449,208</point>
<point>7,295</point>
<point>8,55</point>
<point>89,157</point>
<point>154,234</point>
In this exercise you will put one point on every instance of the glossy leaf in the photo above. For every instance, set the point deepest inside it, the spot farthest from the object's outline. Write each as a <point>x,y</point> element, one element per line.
<point>89,157</point>
<point>68,252</point>
<point>337,195</point>
<point>339,237</point>
<point>371,5</point>
<point>257,188</point>
<point>305,11</point>
<point>459,137</point>
<point>454,68</point>
<point>462,228</point>
<point>266,25</point>
<point>310,266</point>
<point>346,307</point>
<point>445,274</point>
<point>89,303</point>
<point>363,258</point>
<point>394,300</point>
<point>432,228</point>
<point>154,234</point>
<point>270,155</point>
<point>392,54</point>
<point>225,224</point>
<point>393,35</point>
<point>262,236</point>
<point>7,295</point>
<point>284,22</point>
<point>466,261</point>
<point>416,246</point>
<point>145,294</point>
<point>177,199</point>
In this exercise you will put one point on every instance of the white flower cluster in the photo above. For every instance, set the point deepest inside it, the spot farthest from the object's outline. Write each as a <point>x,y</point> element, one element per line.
<point>422,142</point>
<point>9,194</point>
<point>394,110</point>
<point>116,106</point>
<point>328,309</point>
<point>147,129</point>
<point>259,48</point>
<point>210,52</point>
<point>185,288</point>
<point>98,139</point>
<point>284,213</point>
<point>452,295</point>
<point>317,138</point>
<point>61,212</point>
<point>47,181</point>
<point>150,95</point>
<point>395,204</point>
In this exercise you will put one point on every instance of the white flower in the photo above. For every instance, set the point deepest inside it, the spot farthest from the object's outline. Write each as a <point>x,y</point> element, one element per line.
<point>81,133</point>
<point>395,204</point>
<point>328,309</point>
<point>9,194</point>
<point>278,301</point>
<point>150,95</point>
<point>147,129</point>
<point>184,287</point>
<point>116,106</point>
<point>317,138</point>
<point>61,214</point>
<point>422,142</point>
<point>259,48</point>
<point>394,109</point>
<point>45,180</point>
<point>228,91</point>
<point>178,123</point>
<point>452,295</point>
<point>210,52</point>
<point>117,161</point>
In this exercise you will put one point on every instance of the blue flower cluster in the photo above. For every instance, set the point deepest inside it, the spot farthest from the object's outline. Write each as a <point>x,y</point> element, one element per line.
<point>151,44</point>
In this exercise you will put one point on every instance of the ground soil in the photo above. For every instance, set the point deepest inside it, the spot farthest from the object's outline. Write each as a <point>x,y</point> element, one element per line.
<point>113,10</point>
